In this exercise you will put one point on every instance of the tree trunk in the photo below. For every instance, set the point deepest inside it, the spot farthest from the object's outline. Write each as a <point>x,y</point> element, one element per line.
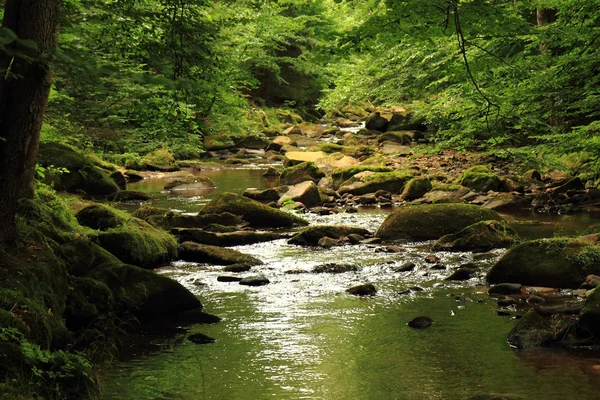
<point>545,17</point>
<point>24,87</point>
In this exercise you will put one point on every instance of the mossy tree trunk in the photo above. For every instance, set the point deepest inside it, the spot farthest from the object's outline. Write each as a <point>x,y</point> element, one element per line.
<point>24,87</point>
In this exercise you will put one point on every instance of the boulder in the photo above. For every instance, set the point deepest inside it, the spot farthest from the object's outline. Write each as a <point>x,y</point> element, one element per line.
<point>416,188</point>
<point>480,179</point>
<point>306,193</point>
<point>265,195</point>
<point>144,293</point>
<point>376,122</point>
<point>119,178</point>
<point>388,148</point>
<point>305,171</point>
<point>506,202</point>
<point>340,175</point>
<point>370,182</point>
<point>431,221</point>
<point>480,237</point>
<point>334,268</point>
<point>366,289</point>
<point>557,262</point>
<point>256,214</point>
<point>420,322</point>
<point>406,122</point>
<point>101,217</point>
<point>310,236</point>
<point>258,280</point>
<point>396,137</point>
<point>535,329</point>
<point>130,195</point>
<point>83,256</point>
<point>252,142</point>
<point>589,316</point>
<point>218,142</point>
<point>505,289</point>
<point>226,239</point>
<point>462,274</point>
<point>207,254</point>
<point>88,300</point>
<point>297,157</point>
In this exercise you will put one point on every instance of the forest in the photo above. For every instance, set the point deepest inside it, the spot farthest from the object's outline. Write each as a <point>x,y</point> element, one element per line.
<point>350,105</point>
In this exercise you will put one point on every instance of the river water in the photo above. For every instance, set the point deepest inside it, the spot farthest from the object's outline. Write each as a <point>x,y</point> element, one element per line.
<point>303,337</point>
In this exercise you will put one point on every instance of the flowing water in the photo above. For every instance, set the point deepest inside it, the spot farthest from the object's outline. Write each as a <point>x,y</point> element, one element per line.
<point>303,337</point>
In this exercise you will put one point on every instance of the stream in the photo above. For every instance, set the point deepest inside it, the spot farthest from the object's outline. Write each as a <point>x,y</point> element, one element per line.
<point>303,337</point>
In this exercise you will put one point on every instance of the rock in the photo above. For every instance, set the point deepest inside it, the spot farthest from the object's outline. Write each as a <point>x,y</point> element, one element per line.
<point>506,302</point>
<point>533,299</point>
<point>416,188</point>
<point>237,268</point>
<point>569,185</point>
<point>355,238</point>
<point>145,293</point>
<point>310,236</point>
<point>409,266</point>
<point>306,193</point>
<point>376,122</point>
<point>366,289</point>
<point>200,338</point>
<point>297,157</point>
<point>591,282</point>
<point>506,288</point>
<point>480,237</point>
<point>305,171</point>
<point>480,179</point>
<point>203,253</point>
<point>252,142</point>
<point>264,195</point>
<point>370,182</point>
<point>420,322</point>
<point>101,217</point>
<point>589,316</point>
<point>497,396</point>
<point>506,202</point>
<point>388,148</point>
<point>258,280</point>
<point>327,242</point>
<point>88,300</point>
<point>133,176</point>
<point>292,130</point>
<point>130,195</point>
<point>119,179</point>
<point>226,239</point>
<point>218,142</point>
<point>406,122</point>
<point>557,262</point>
<point>83,256</point>
<point>271,173</point>
<point>256,214</point>
<point>535,330</point>
<point>461,274</point>
<point>532,175</point>
<point>431,259</point>
<point>224,278</point>
<point>60,155</point>
<point>334,268</point>
<point>190,184</point>
<point>340,175</point>
<point>430,222</point>
<point>395,136</point>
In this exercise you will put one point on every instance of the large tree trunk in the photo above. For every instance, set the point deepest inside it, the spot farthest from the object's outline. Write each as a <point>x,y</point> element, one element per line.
<point>24,87</point>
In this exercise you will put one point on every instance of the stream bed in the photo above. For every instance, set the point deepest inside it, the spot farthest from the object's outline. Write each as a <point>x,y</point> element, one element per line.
<point>303,337</point>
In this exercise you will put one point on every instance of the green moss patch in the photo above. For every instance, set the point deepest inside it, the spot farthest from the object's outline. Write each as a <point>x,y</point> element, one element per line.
<point>340,175</point>
<point>480,179</point>
<point>371,182</point>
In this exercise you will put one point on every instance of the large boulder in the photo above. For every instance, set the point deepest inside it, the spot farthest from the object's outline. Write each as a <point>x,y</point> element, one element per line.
<point>590,314</point>
<point>83,256</point>
<point>416,188</point>
<point>252,142</point>
<point>376,122</point>
<point>479,237</point>
<point>79,174</point>
<point>557,262</point>
<point>207,254</point>
<point>370,182</point>
<point>431,221</point>
<point>297,157</point>
<point>306,193</point>
<point>480,179</point>
<point>101,217</point>
<point>537,329</point>
<point>256,214</point>
<point>145,293</point>
<point>310,236</point>
<point>305,171</point>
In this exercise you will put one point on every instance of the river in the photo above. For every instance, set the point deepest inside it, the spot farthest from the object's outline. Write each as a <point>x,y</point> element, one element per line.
<point>303,337</point>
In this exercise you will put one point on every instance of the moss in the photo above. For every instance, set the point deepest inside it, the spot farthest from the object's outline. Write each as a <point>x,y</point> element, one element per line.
<point>89,179</point>
<point>416,188</point>
<point>590,314</point>
<point>358,151</point>
<point>557,262</point>
<point>431,221</point>
<point>253,212</point>
<point>218,228</point>
<point>329,148</point>
<point>101,217</point>
<point>370,182</point>
<point>480,178</point>
<point>310,236</point>
<point>82,256</point>
<point>204,253</point>
<point>139,243</point>
<point>479,237</point>
<point>305,171</point>
<point>160,156</point>
<point>99,162</point>
<point>60,155</point>
<point>397,137</point>
<point>340,175</point>
<point>147,211</point>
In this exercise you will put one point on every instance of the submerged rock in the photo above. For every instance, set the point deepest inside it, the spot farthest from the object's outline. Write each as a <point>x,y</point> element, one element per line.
<point>420,322</point>
<point>366,289</point>
<point>431,221</point>
<point>506,288</point>
<point>535,329</point>
<point>200,338</point>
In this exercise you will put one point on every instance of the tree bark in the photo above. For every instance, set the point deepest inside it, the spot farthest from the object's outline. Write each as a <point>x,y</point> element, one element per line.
<point>24,87</point>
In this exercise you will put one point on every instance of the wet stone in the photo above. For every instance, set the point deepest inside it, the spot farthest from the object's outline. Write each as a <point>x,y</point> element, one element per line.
<point>506,288</point>
<point>409,266</point>
<point>258,280</point>
<point>362,290</point>
<point>506,302</point>
<point>420,322</point>
<point>200,338</point>
<point>224,278</point>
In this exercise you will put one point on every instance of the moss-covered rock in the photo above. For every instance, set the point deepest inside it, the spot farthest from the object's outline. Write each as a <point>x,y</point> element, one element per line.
<point>130,195</point>
<point>480,179</point>
<point>431,221</point>
<point>253,212</point>
<point>145,293</point>
<point>376,122</point>
<point>264,195</point>
<point>305,171</point>
<point>340,175</point>
<point>101,217</point>
<point>139,243</point>
<point>396,137</point>
<point>310,236</point>
<point>535,329</point>
<point>88,300</point>
<point>557,262</point>
<point>479,237</point>
<point>370,182</point>
<point>589,317</point>
<point>507,202</point>
<point>306,193</point>
<point>82,256</point>
<point>416,188</point>
<point>207,254</point>
<point>60,155</point>
<point>252,142</point>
